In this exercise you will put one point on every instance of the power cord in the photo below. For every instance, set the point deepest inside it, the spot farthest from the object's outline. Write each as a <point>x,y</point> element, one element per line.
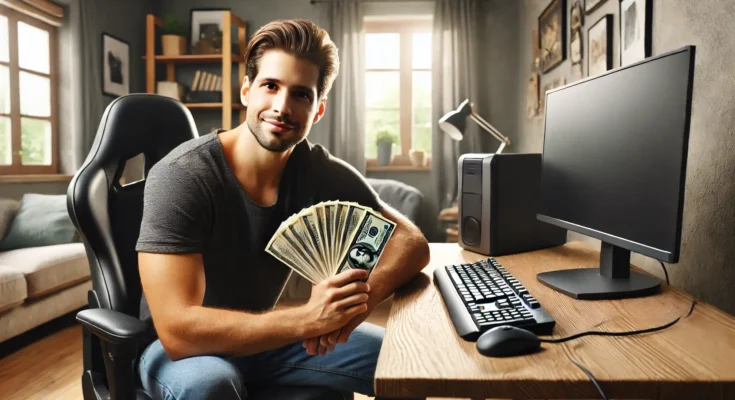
<point>585,370</point>
<point>665,272</point>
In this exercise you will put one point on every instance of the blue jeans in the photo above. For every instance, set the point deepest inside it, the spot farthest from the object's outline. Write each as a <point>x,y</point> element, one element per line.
<point>349,368</point>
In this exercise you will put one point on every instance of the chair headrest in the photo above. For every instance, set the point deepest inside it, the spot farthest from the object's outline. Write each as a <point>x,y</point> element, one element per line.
<point>140,123</point>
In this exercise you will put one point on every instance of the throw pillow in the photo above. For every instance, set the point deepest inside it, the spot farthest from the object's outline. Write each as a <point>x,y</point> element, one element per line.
<point>8,209</point>
<point>42,220</point>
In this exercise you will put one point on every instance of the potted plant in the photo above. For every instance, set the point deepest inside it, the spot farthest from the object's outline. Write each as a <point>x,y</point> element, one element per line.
<point>173,37</point>
<point>385,139</point>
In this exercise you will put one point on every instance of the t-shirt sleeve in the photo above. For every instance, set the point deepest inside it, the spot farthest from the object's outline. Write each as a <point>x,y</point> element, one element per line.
<point>341,181</point>
<point>174,212</point>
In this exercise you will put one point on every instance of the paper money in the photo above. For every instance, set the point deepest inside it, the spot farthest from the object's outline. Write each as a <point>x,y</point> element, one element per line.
<point>331,237</point>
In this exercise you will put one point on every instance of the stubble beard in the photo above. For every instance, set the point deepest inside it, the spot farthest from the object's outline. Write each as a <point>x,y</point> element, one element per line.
<point>271,141</point>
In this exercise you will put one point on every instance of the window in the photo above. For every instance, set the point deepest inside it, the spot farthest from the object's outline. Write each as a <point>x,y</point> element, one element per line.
<point>398,86</point>
<point>28,128</point>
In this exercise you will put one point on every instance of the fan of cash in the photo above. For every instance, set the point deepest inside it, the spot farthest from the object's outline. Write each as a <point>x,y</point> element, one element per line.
<point>330,237</point>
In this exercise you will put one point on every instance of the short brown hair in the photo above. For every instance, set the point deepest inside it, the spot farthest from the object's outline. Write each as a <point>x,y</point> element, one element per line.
<point>300,38</point>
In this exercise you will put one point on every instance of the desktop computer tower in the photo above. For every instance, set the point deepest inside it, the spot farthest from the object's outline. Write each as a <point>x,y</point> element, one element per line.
<point>498,198</point>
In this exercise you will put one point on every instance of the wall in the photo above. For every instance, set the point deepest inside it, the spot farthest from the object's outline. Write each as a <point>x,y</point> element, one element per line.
<point>708,249</point>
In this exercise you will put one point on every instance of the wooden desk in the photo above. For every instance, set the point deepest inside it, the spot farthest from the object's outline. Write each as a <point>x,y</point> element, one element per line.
<point>423,356</point>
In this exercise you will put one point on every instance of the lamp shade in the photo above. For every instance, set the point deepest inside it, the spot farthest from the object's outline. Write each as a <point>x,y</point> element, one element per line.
<point>454,122</point>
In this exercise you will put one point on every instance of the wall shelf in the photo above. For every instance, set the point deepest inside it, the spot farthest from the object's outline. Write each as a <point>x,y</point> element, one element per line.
<point>226,59</point>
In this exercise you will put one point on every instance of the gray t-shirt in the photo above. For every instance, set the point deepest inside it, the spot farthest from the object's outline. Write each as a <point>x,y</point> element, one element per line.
<point>193,203</point>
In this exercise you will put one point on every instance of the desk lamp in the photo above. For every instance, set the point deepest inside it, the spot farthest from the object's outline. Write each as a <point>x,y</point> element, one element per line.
<point>454,123</point>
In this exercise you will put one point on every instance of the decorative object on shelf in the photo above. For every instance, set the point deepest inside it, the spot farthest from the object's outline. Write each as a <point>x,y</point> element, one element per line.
<point>552,34</point>
<point>206,87</point>
<point>591,5</point>
<point>115,66</point>
<point>532,96</point>
<point>577,15</point>
<point>599,38</point>
<point>418,157</point>
<point>170,89</point>
<point>385,139</point>
<point>206,30</point>
<point>553,84</point>
<point>173,36</point>
<point>575,47</point>
<point>635,30</point>
<point>454,124</point>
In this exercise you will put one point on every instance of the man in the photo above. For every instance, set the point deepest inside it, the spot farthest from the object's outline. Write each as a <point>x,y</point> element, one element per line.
<point>211,206</point>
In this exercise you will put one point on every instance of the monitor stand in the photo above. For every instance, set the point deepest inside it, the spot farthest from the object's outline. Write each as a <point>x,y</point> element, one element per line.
<point>612,280</point>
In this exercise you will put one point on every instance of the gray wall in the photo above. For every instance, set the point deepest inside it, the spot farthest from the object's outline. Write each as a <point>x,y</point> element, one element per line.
<point>708,249</point>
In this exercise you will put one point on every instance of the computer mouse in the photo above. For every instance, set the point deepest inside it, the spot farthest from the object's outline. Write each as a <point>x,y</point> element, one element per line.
<point>507,341</point>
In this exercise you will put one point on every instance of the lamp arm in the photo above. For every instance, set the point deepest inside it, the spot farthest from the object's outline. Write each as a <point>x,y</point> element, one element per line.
<point>486,125</point>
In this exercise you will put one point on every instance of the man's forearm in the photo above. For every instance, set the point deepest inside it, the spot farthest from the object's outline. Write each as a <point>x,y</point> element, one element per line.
<point>203,330</point>
<point>405,255</point>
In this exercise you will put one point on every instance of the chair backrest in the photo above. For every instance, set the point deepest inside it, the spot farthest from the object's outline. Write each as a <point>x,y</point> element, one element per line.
<point>107,215</point>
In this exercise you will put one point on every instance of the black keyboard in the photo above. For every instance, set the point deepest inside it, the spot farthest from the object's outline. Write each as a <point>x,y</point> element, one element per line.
<point>483,295</point>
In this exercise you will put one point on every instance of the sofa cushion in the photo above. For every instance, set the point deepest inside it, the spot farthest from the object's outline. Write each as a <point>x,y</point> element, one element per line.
<point>8,209</point>
<point>42,220</point>
<point>13,288</point>
<point>48,268</point>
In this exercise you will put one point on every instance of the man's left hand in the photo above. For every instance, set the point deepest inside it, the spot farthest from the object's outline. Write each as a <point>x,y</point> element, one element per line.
<point>326,343</point>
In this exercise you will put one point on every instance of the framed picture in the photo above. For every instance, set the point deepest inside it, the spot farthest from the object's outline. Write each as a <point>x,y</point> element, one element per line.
<point>635,30</point>
<point>206,26</point>
<point>532,96</point>
<point>591,5</point>
<point>553,84</point>
<point>552,25</point>
<point>575,47</point>
<point>115,66</point>
<point>599,45</point>
<point>576,15</point>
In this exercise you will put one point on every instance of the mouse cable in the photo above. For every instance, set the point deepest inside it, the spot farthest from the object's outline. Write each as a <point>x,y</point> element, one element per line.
<point>628,333</point>
<point>665,272</point>
<point>592,378</point>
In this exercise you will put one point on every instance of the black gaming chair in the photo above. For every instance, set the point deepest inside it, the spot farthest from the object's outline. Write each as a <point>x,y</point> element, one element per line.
<point>108,216</point>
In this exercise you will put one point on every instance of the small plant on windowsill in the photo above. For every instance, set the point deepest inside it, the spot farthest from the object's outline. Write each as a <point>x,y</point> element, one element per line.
<point>385,139</point>
<point>173,36</point>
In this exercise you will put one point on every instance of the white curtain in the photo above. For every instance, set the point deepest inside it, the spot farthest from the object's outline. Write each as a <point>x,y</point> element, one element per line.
<point>455,77</point>
<point>346,136</point>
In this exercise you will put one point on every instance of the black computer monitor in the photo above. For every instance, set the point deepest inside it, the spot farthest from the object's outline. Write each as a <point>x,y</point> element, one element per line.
<point>614,162</point>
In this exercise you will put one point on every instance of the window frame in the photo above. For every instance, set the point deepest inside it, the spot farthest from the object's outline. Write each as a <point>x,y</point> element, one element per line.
<point>16,167</point>
<point>405,28</point>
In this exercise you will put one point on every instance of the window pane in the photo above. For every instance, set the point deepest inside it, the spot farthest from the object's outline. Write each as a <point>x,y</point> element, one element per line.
<point>422,129</point>
<point>377,120</point>
<point>35,95</point>
<point>4,41</point>
<point>4,90</point>
<point>381,50</point>
<point>6,157</point>
<point>35,141</point>
<point>421,87</point>
<point>382,89</point>
<point>33,48</point>
<point>422,50</point>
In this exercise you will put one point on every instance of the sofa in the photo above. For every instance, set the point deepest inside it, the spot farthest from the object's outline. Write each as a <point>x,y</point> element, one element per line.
<point>41,282</point>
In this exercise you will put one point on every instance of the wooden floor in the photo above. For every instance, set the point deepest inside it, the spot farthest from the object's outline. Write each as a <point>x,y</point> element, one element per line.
<point>51,367</point>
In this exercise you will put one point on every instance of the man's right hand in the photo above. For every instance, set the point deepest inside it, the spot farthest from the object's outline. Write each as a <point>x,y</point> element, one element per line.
<point>335,301</point>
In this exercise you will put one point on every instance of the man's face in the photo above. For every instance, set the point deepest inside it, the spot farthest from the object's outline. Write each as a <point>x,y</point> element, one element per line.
<point>282,100</point>
<point>361,257</point>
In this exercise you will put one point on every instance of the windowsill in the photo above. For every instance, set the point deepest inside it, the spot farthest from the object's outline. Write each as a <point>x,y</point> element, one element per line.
<point>396,168</point>
<point>31,178</point>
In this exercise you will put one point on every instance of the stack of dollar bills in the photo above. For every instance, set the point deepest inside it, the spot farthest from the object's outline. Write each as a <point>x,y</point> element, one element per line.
<point>331,237</point>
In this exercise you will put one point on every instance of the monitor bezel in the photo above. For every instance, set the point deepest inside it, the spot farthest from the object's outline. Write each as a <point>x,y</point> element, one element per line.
<point>660,254</point>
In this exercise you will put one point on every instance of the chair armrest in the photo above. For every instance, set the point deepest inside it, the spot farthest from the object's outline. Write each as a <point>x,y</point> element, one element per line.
<point>113,326</point>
